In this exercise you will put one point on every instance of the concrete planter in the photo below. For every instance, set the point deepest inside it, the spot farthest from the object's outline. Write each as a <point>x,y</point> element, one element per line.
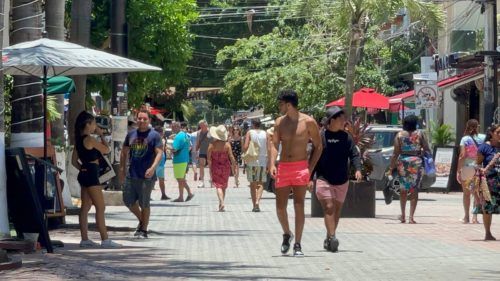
<point>359,201</point>
<point>113,198</point>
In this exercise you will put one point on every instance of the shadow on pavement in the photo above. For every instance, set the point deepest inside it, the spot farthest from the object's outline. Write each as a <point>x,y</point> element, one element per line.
<point>132,263</point>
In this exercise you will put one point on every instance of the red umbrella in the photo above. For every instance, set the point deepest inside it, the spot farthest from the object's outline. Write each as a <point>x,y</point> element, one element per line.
<point>365,97</point>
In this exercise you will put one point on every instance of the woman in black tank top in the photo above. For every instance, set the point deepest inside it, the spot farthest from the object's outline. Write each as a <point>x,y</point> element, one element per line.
<point>85,158</point>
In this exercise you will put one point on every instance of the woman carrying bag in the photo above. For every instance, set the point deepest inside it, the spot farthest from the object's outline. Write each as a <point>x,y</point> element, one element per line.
<point>85,158</point>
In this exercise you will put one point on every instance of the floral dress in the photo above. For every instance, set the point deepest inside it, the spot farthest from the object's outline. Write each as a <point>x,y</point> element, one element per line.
<point>486,188</point>
<point>221,169</point>
<point>410,164</point>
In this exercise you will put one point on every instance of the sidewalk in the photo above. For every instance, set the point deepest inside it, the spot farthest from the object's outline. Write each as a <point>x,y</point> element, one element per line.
<point>193,241</point>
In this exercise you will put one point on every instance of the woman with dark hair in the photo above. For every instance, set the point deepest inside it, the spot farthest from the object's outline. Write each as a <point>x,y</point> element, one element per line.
<point>409,146</point>
<point>235,140</point>
<point>466,163</point>
<point>488,157</point>
<point>86,159</point>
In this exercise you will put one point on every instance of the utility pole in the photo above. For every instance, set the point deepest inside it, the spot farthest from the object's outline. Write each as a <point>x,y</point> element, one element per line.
<point>489,99</point>
<point>119,87</point>
<point>119,47</point>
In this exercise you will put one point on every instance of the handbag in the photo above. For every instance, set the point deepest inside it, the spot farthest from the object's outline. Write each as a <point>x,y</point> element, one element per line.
<point>429,167</point>
<point>106,171</point>
<point>252,153</point>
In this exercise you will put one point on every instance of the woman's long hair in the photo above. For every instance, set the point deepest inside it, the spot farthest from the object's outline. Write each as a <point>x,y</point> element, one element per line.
<point>471,127</point>
<point>82,120</point>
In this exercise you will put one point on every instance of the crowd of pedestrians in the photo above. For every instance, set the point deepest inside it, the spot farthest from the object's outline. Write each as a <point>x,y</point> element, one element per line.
<point>295,153</point>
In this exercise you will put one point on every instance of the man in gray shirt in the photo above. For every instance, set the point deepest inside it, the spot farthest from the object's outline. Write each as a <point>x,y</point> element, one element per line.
<point>202,148</point>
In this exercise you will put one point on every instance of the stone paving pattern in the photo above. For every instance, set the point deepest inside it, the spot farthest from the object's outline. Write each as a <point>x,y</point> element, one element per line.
<point>192,240</point>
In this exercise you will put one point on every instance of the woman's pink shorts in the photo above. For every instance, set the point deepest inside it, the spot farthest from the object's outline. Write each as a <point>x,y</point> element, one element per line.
<point>292,174</point>
<point>324,190</point>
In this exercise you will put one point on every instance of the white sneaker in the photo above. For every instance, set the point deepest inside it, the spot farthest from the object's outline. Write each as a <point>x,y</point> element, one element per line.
<point>201,184</point>
<point>108,243</point>
<point>88,244</point>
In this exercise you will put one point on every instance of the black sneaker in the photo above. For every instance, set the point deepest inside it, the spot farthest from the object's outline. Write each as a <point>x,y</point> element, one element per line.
<point>285,246</point>
<point>256,209</point>
<point>144,234</point>
<point>297,250</point>
<point>326,244</point>
<point>138,230</point>
<point>333,244</point>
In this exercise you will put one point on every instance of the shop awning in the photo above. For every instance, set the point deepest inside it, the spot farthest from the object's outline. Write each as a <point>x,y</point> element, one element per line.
<point>456,80</point>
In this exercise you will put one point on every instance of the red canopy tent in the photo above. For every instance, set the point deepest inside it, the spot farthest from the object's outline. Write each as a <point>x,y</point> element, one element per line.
<point>365,97</point>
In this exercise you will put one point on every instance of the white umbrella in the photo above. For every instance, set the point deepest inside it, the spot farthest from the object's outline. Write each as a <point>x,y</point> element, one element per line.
<point>64,58</point>
<point>46,58</point>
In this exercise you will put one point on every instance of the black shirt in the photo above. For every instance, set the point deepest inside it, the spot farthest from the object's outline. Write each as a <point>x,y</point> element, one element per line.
<point>338,149</point>
<point>86,155</point>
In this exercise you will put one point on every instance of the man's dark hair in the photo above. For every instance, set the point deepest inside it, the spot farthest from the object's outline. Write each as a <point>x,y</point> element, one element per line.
<point>289,96</point>
<point>410,123</point>
<point>183,125</point>
<point>144,111</point>
<point>256,122</point>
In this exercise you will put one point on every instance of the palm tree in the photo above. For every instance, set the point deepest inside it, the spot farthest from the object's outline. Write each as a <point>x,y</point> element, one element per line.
<point>80,34</point>
<point>27,99</point>
<point>54,22</point>
<point>357,16</point>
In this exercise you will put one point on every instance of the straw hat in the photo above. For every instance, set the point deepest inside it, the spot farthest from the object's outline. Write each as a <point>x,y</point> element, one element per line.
<point>219,132</point>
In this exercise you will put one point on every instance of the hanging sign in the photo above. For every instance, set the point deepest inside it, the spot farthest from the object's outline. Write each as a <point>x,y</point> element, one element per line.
<point>426,96</point>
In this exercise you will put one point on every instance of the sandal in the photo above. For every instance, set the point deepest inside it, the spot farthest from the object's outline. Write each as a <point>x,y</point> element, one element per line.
<point>401,219</point>
<point>411,221</point>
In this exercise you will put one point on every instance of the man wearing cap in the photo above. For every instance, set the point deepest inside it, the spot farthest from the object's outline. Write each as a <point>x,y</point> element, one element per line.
<point>293,131</point>
<point>180,150</point>
<point>332,171</point>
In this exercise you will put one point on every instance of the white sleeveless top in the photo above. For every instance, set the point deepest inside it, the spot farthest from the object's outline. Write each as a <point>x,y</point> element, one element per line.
<point>260,138</point>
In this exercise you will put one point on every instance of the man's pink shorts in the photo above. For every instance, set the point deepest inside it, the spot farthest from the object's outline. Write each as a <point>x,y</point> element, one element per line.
<point>292,174</point>
<point>324,190</point>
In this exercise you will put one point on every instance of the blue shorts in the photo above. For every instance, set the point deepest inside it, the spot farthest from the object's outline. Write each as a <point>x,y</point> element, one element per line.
<point>160,172</point>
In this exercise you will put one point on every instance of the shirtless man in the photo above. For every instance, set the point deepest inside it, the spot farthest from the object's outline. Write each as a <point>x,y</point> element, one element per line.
<point>293,131</point>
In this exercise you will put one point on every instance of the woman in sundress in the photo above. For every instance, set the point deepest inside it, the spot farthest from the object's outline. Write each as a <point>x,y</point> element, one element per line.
<point>236,143</point>
<point>487,196</point>
<point>220,162</point>
<point>407,164</point>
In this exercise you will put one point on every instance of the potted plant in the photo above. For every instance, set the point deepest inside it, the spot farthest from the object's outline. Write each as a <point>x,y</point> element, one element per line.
<point>360,199</point>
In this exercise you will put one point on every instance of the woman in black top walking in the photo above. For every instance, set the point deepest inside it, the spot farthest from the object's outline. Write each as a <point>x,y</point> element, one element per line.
<point>86,159</point>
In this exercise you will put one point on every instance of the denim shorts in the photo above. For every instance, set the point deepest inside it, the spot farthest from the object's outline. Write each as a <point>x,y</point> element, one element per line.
<point>137,190</point>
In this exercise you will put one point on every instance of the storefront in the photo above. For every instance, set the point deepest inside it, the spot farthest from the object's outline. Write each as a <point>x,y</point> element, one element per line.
<point>460,100</point>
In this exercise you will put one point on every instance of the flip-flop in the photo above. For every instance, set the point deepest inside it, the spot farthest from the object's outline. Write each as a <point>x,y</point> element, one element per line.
<point>178,200</point>
<point>189,197</point>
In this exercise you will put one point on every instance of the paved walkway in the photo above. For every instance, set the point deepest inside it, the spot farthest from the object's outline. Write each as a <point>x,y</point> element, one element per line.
<point>193,241</point>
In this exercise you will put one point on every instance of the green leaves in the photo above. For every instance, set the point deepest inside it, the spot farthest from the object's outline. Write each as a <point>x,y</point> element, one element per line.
<point>442,135</point>
<point>158,35</point>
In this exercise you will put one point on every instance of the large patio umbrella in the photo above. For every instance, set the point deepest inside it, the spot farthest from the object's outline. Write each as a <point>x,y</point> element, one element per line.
<point>365,97</point>
<point>46,58</point>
